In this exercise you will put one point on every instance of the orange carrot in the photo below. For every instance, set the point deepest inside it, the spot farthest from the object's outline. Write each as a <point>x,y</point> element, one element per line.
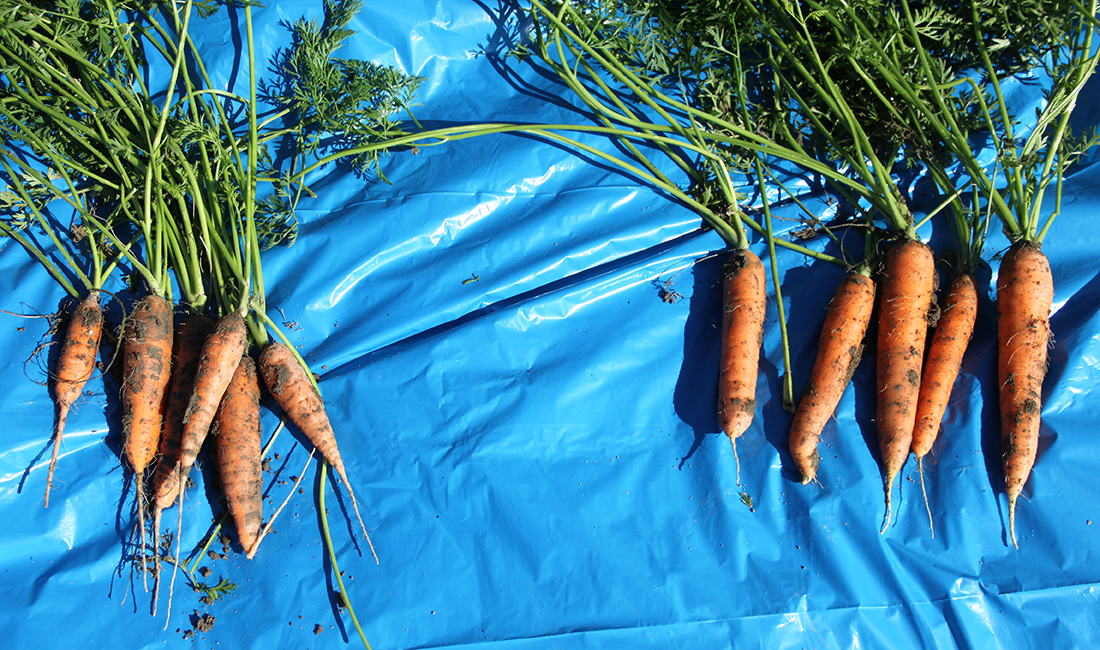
<point>220,356</point>
<point>743,302</point>
<point>147,365</point>
<point>75,365</point>
<point>906,290</point>
<point>292,389</point>
<point>186,349</point>
<point>945,354</point>
<point>190,336</point>
<point>1025,293</point>
<point>838,354</point>
<point>236,429</point>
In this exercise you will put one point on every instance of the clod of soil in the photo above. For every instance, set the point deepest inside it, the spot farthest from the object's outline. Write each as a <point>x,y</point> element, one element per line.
<point>203,623</point>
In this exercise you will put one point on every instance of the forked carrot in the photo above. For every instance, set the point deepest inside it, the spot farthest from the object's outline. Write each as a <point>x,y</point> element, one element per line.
<point>147,366</point>
<point>1025,293</point>
<point>75,365</point>
<point>236,429</point>
<point>744,297</point>
<point>906,297</point>
<point>292,389</point>
<point>838,354</point>
<point>941,367</point>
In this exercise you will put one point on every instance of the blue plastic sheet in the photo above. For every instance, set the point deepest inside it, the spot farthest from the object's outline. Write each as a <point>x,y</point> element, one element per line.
<point>530,428</point>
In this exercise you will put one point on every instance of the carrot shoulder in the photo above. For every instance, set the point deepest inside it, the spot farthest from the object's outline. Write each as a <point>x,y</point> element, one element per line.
<point>838,354</point>
<point>236,429</point>
<point>75,365</point>
<point>1025,293</point>
<point>906,298</point>
<point>744,299</point>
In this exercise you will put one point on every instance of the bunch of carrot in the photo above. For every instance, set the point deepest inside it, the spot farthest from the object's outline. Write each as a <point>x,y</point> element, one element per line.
<point>914,384</point>
<point>846,92</point>
<point>166,184</point>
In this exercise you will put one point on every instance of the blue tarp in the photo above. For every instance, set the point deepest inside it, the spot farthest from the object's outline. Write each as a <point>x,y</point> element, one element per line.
<point>530,429</point>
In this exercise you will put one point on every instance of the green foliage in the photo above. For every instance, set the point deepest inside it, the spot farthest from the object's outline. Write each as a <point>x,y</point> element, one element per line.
<point>214,592</point>
<point>336,102</point>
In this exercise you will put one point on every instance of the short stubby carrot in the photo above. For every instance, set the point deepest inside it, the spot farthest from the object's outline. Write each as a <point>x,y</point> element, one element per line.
<point>744,298</point>
<point>147,366</point>
<point>838,353</point>
<point>293,391</point>
<point>187,347</point>
<point>220,356</point>
<point>1025,294</point>
<point>908,280</point>
<point>75,366</point>
<point>236,429</point>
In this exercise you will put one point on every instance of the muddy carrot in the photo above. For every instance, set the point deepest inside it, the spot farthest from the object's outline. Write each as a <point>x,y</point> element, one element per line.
<point>905,301</point>
<point>838,354</point>
<point>75,365</point>
<point>1025,293</point>
<point>958,313</point>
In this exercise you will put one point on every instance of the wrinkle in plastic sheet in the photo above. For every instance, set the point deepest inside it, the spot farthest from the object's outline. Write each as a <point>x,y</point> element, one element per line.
<point>530,431</point>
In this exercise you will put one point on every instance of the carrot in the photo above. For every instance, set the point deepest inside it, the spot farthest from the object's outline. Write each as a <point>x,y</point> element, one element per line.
<point>220,356</point>
<point>945,354</point>
<point>147,364</point>
<point>743,302</point>
<point>236,428</point>
<point>906,290</point>
<point>1025,292</point>
<point>838,354</point>
<point>75,365</point>
<point>292,389</point>
<point>187,347</point>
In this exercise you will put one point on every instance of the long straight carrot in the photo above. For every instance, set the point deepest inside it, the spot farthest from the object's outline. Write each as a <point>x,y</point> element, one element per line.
<point>1025,293</point>
<point>744,297</point>
<point>838,353</point>
<point>236,429</point>
<point>75,365</point>
<point>906,297</point>
<point>954,328</point>
<point>294,392</point>
<point>147,365</point>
